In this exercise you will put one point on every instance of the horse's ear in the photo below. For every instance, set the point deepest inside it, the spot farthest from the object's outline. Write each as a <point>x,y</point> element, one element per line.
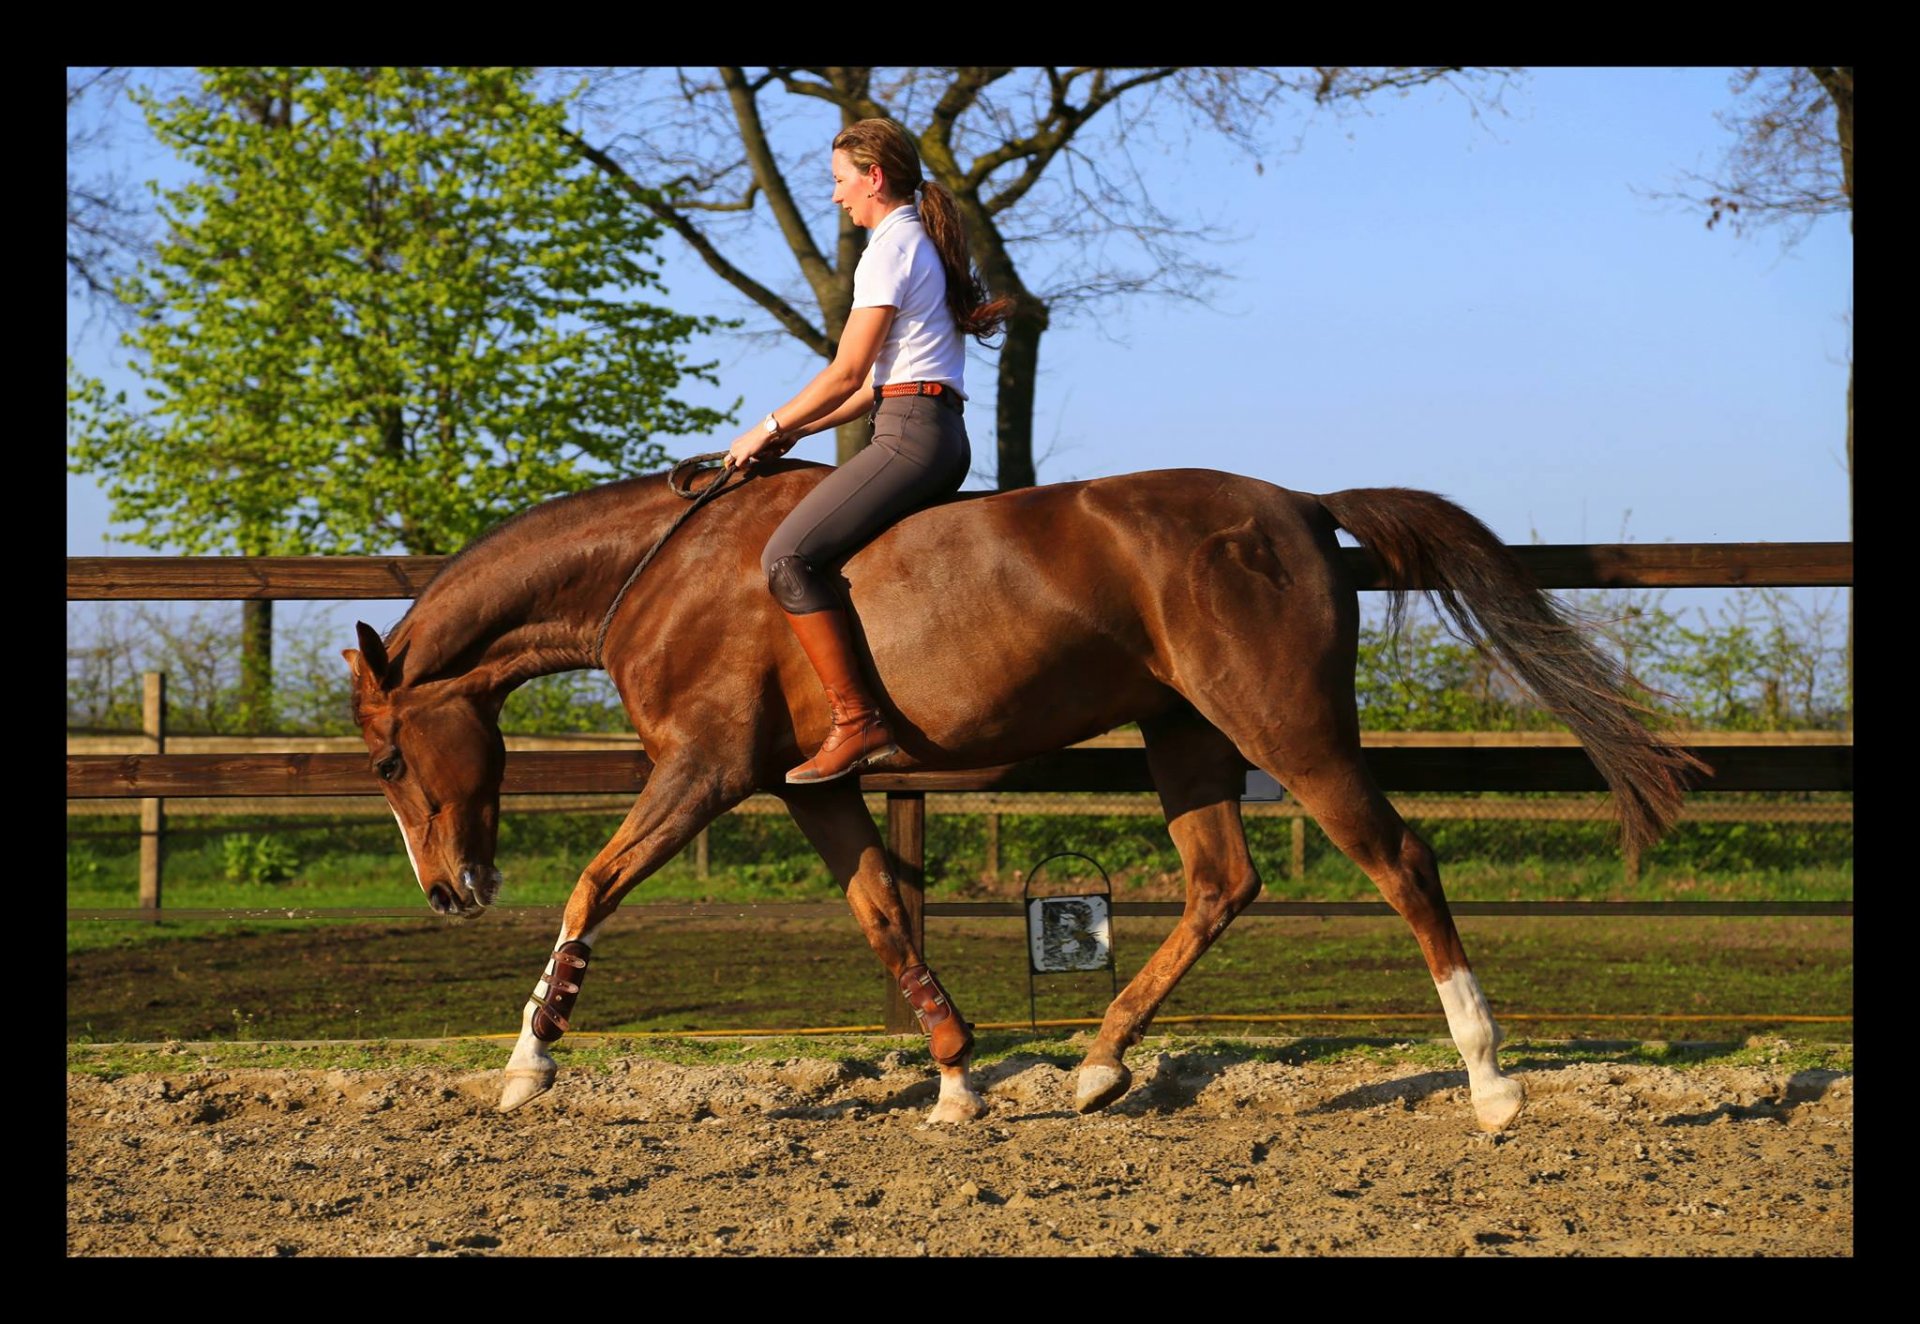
<point>369,662</point>
<point>396,665</point>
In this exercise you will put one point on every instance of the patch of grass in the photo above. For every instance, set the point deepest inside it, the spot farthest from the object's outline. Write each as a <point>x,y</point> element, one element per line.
<point>111,1060</point>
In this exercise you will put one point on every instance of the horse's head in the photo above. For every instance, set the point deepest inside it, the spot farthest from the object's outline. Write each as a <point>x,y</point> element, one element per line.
<point>439,756</point>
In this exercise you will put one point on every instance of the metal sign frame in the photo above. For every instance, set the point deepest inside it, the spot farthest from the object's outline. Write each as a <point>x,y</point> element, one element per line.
<point>1029,910</point>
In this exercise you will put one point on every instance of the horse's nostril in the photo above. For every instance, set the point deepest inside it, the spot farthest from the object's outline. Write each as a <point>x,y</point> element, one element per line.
<point>437,898</point>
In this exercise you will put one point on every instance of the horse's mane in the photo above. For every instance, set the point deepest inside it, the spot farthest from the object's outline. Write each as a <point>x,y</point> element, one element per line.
<point>569,503</point>
<point>571,506</point>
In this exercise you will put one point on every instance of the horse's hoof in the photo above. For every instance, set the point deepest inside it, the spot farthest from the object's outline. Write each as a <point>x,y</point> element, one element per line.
<point>524,1083</point>
<point>1100,1085</point>
<point>1498,1104</point>
<point>958,1109</point>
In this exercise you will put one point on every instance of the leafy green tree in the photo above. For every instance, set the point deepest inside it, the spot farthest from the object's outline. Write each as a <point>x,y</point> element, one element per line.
<point>393,309</point>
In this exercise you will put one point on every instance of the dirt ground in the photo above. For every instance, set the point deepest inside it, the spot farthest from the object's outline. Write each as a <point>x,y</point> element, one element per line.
<point>1208,1155</point>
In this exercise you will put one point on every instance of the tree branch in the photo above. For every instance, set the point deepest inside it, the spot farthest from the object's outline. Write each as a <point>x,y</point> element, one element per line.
<point>782,311</point>
<point>766,172</point>
<point>1040,148</point>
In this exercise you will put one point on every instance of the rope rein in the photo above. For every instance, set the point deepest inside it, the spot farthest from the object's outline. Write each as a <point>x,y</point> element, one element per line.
<point>681,488</point>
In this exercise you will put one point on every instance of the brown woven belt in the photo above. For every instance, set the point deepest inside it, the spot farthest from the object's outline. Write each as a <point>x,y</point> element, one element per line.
<point>940,391</point>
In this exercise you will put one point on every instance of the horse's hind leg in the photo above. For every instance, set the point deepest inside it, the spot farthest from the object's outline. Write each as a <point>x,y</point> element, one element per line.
<point>1332,783</point>
<point>835,819</point>
<point>1263,643</point>
<point>1199,775</point>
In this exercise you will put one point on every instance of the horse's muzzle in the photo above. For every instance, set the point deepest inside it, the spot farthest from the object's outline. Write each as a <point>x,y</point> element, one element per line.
<point>445,901</point>
<point>478,888</point>
<point>481,885</point>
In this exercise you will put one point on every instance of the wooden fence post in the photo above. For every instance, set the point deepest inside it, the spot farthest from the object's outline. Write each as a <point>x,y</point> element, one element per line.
<point>153,813</point>
<point>1299,861</point>
<point>700,860</point>
<point>907,843</point>
<point>1632,857</point>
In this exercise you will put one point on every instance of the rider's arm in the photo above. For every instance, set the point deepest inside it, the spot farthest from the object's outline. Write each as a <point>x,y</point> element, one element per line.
<point>857,405</point>
<point>837,393</point>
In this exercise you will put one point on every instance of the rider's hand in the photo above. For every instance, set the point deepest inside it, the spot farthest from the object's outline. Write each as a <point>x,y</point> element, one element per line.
<point>740,454</point>
<point>753,445</point>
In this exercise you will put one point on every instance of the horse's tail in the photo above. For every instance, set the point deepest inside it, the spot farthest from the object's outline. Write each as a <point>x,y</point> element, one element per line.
<point>1425,541</point>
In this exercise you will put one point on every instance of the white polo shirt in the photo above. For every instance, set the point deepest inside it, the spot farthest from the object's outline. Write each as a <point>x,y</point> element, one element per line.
<point>901,269</point>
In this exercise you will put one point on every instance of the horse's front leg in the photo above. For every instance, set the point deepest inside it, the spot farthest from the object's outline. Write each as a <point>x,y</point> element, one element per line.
<point>835,820</point>
<point>675,805</point>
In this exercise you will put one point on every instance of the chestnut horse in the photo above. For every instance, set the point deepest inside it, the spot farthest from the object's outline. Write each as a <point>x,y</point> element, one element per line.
<point>1214,610</point>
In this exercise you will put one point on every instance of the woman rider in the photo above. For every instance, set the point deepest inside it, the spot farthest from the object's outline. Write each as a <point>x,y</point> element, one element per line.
<point>900,361</point>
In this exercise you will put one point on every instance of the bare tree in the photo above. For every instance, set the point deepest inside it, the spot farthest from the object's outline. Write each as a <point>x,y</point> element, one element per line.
<point>107,218</point>
<point>1791,161</point>
<point>1045,164</point>
<point>1790,164</point>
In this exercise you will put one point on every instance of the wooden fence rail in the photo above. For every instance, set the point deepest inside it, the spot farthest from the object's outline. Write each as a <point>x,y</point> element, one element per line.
<point>1735,768</point>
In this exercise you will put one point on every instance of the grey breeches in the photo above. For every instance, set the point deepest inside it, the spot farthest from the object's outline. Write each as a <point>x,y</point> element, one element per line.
<point>919,454</point>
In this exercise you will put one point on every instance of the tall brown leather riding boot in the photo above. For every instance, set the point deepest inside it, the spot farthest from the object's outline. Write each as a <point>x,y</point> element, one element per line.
<point>859,737</point>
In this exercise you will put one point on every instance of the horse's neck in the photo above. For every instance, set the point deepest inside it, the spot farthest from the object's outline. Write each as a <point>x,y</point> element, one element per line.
<point>529,601</point>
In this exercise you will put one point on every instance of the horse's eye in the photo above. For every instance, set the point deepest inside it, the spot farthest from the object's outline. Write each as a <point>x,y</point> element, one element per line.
<point>388,767</point>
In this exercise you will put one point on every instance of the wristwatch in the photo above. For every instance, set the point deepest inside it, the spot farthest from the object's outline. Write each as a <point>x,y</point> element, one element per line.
<point>772,425</point>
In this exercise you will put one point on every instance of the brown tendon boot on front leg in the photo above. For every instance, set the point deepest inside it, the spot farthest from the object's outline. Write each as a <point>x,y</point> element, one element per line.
<point>550,1016</point>
<point>859,737</point>
<point>951,1037</point>
<point>526,1077</point>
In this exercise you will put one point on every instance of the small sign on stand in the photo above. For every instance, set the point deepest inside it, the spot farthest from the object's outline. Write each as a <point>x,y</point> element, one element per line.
<point>1261,788</point>
<point>1068,933</point>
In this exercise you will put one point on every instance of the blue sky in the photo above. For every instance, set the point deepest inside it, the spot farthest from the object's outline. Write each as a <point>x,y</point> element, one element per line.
<point>1487,309</point>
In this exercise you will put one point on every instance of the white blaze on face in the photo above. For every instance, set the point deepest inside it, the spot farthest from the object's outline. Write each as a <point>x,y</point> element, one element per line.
<point>411,859</point>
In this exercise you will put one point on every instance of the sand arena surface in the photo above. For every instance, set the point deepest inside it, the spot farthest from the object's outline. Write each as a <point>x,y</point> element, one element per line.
<point>1208,1155</point>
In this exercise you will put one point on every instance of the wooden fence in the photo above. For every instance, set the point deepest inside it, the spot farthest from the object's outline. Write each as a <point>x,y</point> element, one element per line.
<point>160,821</point>
<point>157,773</point>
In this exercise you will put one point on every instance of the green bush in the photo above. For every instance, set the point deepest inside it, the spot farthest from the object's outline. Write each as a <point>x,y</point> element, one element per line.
<point>83,865</point>
<point>256,859</point>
